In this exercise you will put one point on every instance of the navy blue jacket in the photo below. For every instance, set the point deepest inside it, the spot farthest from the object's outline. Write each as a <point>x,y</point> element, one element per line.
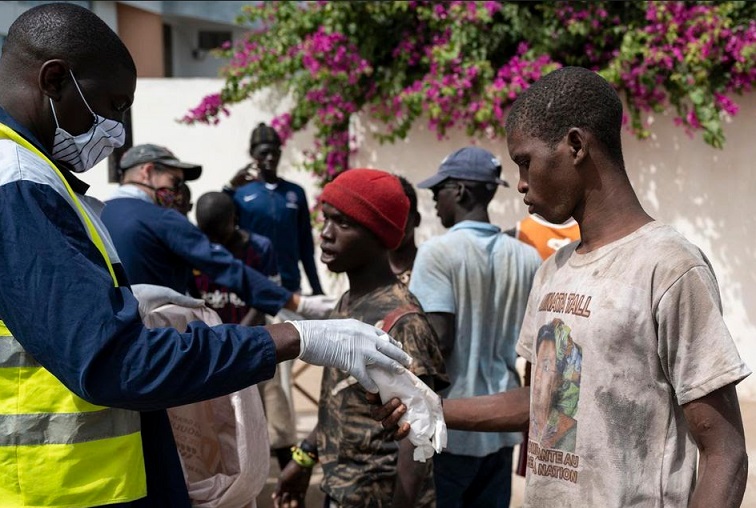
<point>59,301</point>
<point>160,246</point>
<point>281,213</point>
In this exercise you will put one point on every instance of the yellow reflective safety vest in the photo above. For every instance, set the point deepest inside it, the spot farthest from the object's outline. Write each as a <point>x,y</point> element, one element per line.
<point>56,449</point>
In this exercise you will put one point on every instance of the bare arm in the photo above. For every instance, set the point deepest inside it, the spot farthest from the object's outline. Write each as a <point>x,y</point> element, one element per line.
<point>501,412</point>
<point>291,488</point>
<point>717,428</point>
<point>286,339</point>
<point>409,478</point>
<point>443,324</point>
<point>410,473</point>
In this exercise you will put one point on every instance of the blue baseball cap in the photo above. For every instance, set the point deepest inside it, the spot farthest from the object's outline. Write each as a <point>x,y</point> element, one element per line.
<point>468,163</point>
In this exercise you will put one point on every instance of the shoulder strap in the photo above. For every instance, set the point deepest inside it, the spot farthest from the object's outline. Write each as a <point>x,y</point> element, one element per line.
<point>390,319</point>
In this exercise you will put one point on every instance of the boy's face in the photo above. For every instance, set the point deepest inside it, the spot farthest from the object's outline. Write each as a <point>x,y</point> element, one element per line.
<point>548,178</point>
<point>346,245</point>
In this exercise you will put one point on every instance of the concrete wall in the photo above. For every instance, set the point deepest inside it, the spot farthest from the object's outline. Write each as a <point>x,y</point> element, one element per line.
<point>707,194</point>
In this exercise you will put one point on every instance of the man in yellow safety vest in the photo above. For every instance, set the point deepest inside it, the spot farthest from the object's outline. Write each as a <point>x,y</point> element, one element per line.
<point>83,385</point>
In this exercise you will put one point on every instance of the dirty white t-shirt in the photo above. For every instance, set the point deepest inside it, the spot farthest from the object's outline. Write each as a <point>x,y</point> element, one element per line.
<point>619,339</point>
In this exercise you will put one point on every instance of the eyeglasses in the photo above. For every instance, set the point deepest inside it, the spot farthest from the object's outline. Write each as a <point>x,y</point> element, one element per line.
<point>436,190</point>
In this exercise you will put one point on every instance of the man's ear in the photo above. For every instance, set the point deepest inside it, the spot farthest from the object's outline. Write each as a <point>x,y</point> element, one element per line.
<point>52,75</point>
<point>460,192</point>
<point>146,169</point>
<point>577,139</point>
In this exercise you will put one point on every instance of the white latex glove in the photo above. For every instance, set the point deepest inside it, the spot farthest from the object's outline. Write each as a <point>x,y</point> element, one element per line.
<point>151,297</point>
<point>316,306</point>
<point>351,346</point>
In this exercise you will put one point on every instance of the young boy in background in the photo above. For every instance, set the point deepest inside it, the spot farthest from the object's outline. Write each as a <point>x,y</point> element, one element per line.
<point>216,217</point>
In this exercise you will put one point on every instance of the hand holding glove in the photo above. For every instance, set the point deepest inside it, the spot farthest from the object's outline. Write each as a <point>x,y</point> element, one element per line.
<point>150,297</point>
<point>351,346</point>
<point>316,306</point>
<point>425,415</point>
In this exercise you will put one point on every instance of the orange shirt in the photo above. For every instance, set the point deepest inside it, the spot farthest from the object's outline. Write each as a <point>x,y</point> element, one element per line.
<point>547,238</point>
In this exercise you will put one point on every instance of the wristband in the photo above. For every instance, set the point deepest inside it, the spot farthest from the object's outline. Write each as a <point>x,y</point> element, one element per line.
<point>305,459</point>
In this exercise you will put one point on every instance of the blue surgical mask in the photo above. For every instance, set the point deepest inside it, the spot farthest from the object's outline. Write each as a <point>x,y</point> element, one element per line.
<point>84,151</point>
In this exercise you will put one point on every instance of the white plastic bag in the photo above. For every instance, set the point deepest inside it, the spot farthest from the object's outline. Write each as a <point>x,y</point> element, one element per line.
<point>424,412</point>
<point>223,443</point>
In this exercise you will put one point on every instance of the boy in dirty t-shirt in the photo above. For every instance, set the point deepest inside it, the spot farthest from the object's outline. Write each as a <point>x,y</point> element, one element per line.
<point>633,368</point>
<point>620,339</point>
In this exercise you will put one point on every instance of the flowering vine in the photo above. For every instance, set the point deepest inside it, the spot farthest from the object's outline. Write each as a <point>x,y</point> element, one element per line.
<point>462,64</point>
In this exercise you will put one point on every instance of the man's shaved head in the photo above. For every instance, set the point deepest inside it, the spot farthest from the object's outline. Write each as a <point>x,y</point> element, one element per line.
<point>68,32</point>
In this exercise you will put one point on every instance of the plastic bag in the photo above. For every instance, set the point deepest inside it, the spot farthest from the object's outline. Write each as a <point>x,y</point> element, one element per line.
<point>223,442</point>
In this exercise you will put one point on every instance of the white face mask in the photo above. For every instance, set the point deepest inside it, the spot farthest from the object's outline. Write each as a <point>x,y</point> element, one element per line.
<point>82,152</point>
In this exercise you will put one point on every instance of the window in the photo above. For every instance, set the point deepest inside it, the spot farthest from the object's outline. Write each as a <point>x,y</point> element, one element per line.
<point>211,39</point>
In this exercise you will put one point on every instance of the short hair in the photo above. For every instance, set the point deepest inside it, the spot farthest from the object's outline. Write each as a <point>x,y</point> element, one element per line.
<point>214,210</point>
<point>409,191</point>
<point>70,32</point>
<point>569,97</point>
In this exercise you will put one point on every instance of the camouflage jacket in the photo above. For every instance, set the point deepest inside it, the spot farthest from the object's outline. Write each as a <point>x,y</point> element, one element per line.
<point>358,458</point>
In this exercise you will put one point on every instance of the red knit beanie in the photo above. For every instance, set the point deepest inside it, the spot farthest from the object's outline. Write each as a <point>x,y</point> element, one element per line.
<point>375,199</point>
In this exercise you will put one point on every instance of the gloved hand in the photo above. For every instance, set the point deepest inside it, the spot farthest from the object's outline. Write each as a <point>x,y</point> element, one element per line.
<point>150,297</point>
<point>352,346</point>
<point>316,306</point>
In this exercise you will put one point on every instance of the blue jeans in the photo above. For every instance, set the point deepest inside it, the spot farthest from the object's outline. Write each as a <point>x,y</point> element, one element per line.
<point>463,481</point>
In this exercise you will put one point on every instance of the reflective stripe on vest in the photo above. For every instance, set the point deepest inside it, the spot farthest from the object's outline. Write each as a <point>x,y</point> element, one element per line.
<point>56,449</point>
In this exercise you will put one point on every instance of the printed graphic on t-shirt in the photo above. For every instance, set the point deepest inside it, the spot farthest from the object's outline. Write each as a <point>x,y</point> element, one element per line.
<point>555,395</point>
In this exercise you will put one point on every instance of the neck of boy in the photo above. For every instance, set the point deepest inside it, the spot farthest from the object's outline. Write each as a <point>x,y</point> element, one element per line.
<point>609,214</point>
<point>476,213</point>
<point>370,277</point>
<point>237,242</point>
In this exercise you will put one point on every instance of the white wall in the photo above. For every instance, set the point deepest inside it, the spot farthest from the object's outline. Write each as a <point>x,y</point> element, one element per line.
<point>707,194</point>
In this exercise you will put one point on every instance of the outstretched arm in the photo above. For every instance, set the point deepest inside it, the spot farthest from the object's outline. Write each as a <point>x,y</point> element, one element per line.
<point>501,412</point>
<point>717,428</point>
